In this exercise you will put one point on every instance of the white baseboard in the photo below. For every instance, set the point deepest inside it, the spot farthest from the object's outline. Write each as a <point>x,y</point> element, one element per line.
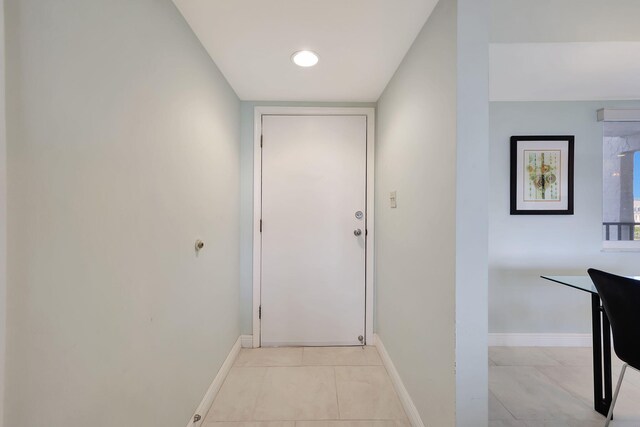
<point>214,388</point>
<point>246,341</point>
<point>403,394</point>
<point>539,340</point>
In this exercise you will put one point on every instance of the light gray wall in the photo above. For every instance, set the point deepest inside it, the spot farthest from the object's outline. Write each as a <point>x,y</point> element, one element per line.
<point>246,198</point>
<point>539,21</point>
<point>3,213</point>
<point>415,243</point>
<point>472,217</point>
<point>123,148</point>
<point>524,247</point>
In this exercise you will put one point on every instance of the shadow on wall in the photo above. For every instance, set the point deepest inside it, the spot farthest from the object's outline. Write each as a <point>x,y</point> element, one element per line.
<point>520,301</point>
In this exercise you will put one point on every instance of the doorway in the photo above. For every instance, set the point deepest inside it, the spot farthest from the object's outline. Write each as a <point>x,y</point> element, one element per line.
<point>313,241</point>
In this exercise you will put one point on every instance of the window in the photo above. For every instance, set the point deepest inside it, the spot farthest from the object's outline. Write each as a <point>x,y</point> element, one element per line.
<point>621,185</point>
<point>636,194</point>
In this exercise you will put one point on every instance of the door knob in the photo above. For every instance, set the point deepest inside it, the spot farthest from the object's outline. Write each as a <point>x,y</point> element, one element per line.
<point>357,232</point>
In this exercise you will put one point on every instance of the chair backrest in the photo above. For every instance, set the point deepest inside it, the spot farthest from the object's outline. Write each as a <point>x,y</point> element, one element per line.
<point>621,301</point>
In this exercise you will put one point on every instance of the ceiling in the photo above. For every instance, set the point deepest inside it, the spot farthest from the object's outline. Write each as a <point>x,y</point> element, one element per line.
<point>360,44</point>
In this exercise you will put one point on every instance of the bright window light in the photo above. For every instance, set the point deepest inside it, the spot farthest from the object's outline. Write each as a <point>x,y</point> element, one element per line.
<point>305,58</point>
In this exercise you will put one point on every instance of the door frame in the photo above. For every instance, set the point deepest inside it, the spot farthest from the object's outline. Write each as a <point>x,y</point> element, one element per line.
<point>369,113</point>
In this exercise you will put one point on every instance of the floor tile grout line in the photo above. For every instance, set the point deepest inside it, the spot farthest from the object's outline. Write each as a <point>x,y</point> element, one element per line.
<point>546,351</point>
<point>260,389</point>
<point>588,403</point>
<point>306,366</point>
<point>266,368</point>
<point>548,356</point>
<point>226,378</point>
<point>359,420</point>
<point>302,363</point>
<point>335,379</point>
<point>503,405</point>
<point>572,377</point>
<point>577,399</point>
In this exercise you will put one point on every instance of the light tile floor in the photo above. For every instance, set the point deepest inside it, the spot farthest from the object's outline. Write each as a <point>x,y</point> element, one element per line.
<point>307,387</point>
<point>349,387</point>
<point>553,387</point>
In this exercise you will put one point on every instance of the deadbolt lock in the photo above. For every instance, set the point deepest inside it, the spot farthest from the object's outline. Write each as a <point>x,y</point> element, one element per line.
<point>359,215</point>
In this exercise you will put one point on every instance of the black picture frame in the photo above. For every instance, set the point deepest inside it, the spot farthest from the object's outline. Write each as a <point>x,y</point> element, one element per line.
<point>528,178</point>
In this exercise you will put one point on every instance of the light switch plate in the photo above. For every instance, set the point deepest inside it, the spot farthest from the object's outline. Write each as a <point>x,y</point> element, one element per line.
<point>393,200</point>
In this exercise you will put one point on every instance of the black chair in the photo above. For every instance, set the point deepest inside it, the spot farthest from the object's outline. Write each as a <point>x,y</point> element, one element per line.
<point>621,301</point>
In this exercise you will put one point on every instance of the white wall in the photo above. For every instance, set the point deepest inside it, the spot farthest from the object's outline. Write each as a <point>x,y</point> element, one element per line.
<point>3,213</point>
<point>565,71</point>
<point>565,50</point>
<point>246,198</point>
<point>542,21</point>
<point>472,244</point>
<point>123,148</point>
<point>524,247</point>
<point>415,243</point>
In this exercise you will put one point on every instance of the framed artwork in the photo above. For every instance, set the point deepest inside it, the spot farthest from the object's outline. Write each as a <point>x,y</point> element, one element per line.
<point>542,175</point>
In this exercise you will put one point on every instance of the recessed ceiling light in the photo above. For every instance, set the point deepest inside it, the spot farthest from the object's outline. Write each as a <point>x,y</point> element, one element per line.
<point>305,58</point>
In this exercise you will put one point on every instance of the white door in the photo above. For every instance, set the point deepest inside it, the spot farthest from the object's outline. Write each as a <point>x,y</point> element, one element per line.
<point>313,204</point>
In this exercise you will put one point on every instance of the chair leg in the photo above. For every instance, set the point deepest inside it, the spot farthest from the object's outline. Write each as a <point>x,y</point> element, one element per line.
<point>615,395</point>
